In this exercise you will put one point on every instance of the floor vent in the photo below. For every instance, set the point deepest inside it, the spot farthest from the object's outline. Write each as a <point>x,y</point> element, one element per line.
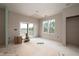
<point>40,42</point>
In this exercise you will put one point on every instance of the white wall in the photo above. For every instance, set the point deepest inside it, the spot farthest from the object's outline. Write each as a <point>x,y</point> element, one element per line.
<point>60,33</point>
<point>14,22</point>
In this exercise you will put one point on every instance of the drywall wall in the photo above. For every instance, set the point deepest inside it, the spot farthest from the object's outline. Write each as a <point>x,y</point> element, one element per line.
<point>60,32</point>
<point>2,26</point>
<point>14,22</point>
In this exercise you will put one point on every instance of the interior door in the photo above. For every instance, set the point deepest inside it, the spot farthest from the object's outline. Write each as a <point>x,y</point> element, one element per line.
<point>73,30</point>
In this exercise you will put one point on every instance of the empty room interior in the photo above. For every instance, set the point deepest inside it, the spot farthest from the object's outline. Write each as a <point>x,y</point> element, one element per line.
<point>39,29</point>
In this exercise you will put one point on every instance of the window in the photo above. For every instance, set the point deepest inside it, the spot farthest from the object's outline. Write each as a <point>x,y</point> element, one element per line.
<point>49,26</point>
<point>45,26</point>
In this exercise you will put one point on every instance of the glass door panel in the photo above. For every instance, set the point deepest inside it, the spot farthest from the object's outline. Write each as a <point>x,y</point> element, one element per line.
<point>23,29</point>
<point>30,30</point>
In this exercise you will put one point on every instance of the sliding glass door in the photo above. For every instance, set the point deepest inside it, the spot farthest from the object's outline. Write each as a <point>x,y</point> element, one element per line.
<point>23,29</point>
<point>30,30</point>
<point>26,28</point>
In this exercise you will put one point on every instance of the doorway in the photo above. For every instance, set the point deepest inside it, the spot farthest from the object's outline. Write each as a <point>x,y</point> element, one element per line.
<point>26,28</point>
<point>72,30</point>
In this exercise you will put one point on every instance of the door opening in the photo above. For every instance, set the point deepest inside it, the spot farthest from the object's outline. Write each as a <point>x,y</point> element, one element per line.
<point>72,30</point>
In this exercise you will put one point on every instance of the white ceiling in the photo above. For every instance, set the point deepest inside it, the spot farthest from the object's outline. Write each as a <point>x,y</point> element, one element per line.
<point>37,10</point>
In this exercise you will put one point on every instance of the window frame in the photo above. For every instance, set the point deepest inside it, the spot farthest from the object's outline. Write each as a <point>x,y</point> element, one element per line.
<point>49,26</point>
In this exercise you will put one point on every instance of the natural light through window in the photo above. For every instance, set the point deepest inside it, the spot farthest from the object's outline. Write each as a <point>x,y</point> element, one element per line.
<point>30,25</point>
<point>23,29</point>
<point>49,26</point>
<point>30,29</point>
<point>52,26</point>
<point>45,26</point>
<point>23,25</point>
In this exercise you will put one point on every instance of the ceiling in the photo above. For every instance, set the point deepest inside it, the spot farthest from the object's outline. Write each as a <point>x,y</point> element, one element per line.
<point>36,10</point>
